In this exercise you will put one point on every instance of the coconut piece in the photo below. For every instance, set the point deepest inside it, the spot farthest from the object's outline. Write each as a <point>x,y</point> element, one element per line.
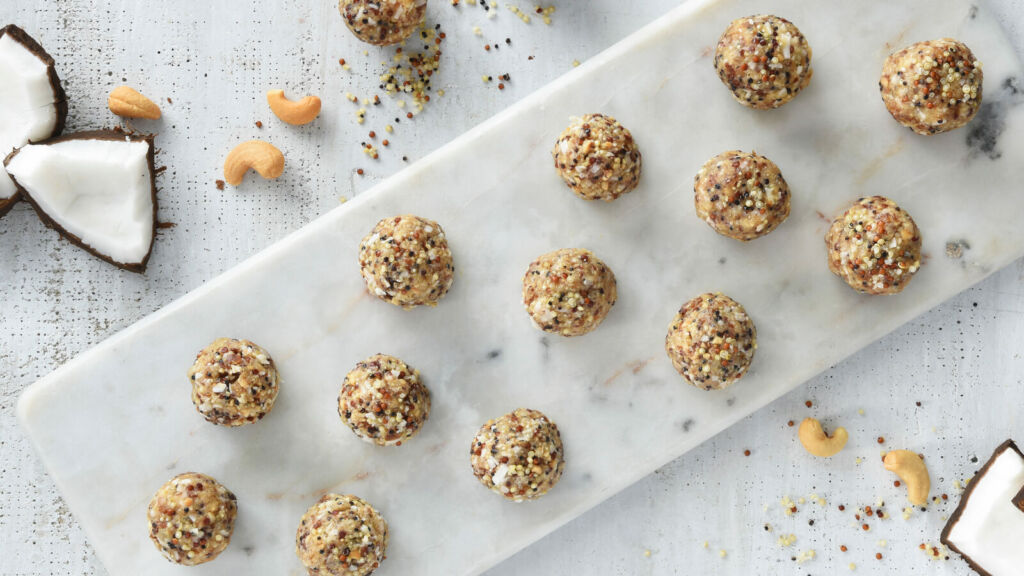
<point>987,526</point>
<point>32,104</point>
<point>98,189</point>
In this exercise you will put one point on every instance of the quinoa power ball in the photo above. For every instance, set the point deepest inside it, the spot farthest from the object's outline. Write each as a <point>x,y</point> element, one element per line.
<point>711,341</point>
<point>874,246</point>
<point>341,536</point>
<point>741,195</point>
<point>234,382</point>
<point>764,60</point>
<point>405,261</point>
<point>384,401</point>
<point>383,22</point>
<point>597,157</point>
<point>519,455</point>
<point>932,87</point>
<point>568,291</point>
<point>191,518</point>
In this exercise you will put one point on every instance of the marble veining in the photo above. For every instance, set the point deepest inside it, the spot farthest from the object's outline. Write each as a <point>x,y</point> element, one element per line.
<point>109,441</point>
<point>983,133</point>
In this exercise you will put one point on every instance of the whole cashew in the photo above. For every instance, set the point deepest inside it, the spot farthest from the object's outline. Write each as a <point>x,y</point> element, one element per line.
<point>296,112</point>
<point>910,467</point>
<point>815,441</point>
<point>261,156</point>
<point>129,103</point>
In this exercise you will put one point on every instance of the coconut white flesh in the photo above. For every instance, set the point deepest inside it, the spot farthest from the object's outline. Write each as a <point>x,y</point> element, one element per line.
<point>27,108</point>
<point>98,190</point>
<point>991,529</point>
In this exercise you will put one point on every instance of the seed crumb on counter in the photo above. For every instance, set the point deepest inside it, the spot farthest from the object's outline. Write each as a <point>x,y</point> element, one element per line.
<point>806,556</point>
<point>935,552</point>
<point>788,506</point>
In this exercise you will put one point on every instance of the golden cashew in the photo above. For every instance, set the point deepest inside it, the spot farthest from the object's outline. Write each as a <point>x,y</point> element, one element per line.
<point>261,156</point>
<point>128,103</point>
<point>910,467</point>
<point>295,112</point>
<point>815,441</point>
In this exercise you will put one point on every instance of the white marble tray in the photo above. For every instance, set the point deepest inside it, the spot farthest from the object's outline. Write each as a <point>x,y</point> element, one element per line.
<point>115,423</point>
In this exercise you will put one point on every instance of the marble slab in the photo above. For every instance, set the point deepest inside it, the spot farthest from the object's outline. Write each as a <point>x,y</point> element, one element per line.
<point>115,423</point>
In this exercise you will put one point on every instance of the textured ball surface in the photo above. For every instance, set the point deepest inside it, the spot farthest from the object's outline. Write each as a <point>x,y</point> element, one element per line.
<point>932,87</point>
<point>518,455</point>
<point>764,60</point>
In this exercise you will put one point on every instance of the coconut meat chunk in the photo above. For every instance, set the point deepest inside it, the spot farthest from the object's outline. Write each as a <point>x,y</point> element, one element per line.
<point>987,526</point>
<point>28,110</point>
<point>99,191</point>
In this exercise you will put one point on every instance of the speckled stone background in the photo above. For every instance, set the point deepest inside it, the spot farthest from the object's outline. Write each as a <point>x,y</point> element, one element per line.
<point>962,361</point>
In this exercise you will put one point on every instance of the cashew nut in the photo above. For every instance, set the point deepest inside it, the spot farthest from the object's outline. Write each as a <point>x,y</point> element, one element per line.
<point>295,112</point>
<point>815,441</point>
<point>128,103</point>
<point>910,467</point>
<point>261,156</point>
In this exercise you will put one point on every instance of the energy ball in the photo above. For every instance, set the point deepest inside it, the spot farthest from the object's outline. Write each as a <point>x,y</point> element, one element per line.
<point>234,382</point>
<point>405,261</point>
<point>191,518</point>
<point>741,195</point>
<point>711,341</point>
<point>932,87</point>
<point>568,291</point>
<point>764,60</point>
<point>519,455</point>
<point>341,535</point>
<point>384,401</point>
<point>597,157</point>
<point>383,22</point>
<point>874,246</point>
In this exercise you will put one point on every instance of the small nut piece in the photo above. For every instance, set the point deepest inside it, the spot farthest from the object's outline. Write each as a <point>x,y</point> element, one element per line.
<point>909,466</point>
<point>261,156</point>
<point>128,103</point>
<point>815,441</point>
<point>294,112</point>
